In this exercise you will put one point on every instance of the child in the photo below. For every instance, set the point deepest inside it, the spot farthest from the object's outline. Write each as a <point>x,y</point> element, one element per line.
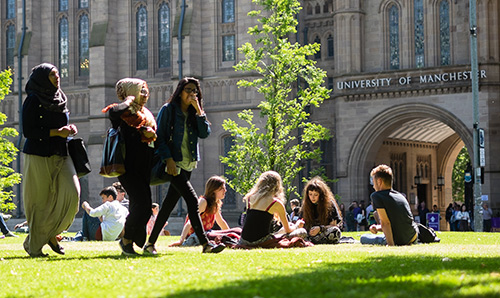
<point>210,212</point>
<point>264,201</point>
<point>321,213</point>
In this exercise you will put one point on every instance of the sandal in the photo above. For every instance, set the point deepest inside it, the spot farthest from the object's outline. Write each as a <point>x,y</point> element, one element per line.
<point>149,249</point>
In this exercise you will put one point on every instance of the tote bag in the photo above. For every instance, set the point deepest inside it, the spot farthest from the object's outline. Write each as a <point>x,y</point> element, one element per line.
<point>78,153</point>
<point>113,154</point>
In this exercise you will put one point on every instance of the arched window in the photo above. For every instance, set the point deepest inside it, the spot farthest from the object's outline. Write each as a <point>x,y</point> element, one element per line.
<point>11,9</point>
<point>228,11</point>
<point>142,38</point>
<point>83,44</point>
<point>330,46</point>
<point>317,9</point>
<point>10,45</point>
<point>164,36</point>
<point>228,48</point>
<point>309,9</point>
<point>63,5</point>
<point>394,37</point>
<point>83,4</point>
<point>317,55</point>
<point>444,32</point>
<point>63,48</point>
<point>419,33</point>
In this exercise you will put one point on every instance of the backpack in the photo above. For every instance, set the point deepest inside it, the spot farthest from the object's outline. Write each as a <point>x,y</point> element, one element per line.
<point>426,234</point>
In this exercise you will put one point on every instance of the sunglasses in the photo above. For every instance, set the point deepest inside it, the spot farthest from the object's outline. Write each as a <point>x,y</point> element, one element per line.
<point>191,90</point>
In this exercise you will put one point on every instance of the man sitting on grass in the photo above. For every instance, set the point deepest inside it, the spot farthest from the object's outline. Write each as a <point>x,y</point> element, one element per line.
<point>394,213</point>
<point>106,222</point>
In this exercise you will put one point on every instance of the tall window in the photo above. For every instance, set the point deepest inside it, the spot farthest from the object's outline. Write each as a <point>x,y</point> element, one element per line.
<point>444,32</point>
<point>63,48</point>
<point>142,38</point>
<point>419,33</point>
<point>228,11</point>
<point>83,4</point>
<point>330,46</point>
<point>164,36</point>
<point>11,9</point>
<point>83,40</point>
<point>10,45</point>
<point>394,37</point>
<point>228,48</point>
<point>63,5</point>
<point>317,55</point>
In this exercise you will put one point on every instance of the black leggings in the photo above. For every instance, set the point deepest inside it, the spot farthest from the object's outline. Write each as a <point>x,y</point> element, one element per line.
<point>179,186</point>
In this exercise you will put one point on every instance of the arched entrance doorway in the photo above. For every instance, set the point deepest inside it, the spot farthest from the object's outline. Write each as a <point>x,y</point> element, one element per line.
<point>415,140</point>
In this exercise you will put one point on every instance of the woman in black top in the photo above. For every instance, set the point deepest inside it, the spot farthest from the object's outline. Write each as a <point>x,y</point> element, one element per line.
<point>320,213</point>
<point>51,189</point>
<point>138,128</point>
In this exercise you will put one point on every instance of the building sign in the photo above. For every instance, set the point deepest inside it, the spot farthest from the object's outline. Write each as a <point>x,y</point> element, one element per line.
<point>433,220</point>
<point>403,81</point>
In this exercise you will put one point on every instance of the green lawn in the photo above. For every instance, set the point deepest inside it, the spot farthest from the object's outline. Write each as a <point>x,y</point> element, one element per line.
<point>462,265</point>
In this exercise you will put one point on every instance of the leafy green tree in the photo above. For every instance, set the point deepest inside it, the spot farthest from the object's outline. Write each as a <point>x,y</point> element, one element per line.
<point>8,151</point>
<point>279,66</point>
<point>461,164</point>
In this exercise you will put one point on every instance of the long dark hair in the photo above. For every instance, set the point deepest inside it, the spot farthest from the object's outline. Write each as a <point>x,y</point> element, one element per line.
<point>326,203</point>
<point>213,184</point>
<point>176,96</point>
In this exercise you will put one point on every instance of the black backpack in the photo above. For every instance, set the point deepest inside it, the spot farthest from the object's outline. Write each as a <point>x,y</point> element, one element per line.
<point>426,234</point>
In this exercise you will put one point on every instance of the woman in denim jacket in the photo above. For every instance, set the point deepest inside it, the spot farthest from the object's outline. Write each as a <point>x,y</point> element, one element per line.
<point>181,121</point>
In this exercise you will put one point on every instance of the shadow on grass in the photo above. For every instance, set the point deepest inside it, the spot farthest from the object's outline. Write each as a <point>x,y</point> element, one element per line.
<point>57,258</point>
<point>392,276</point>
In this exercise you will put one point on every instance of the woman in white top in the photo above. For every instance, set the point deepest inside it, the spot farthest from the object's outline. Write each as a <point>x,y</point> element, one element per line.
<point>463,218</point>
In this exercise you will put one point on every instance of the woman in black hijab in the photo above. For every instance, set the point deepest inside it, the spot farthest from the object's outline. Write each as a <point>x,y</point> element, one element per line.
<point>51,190</point>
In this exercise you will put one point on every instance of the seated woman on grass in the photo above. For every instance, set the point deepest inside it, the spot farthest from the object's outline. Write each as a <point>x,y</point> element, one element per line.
<point>263,201</point>
<point>210,212</point>
<point>321,213</point>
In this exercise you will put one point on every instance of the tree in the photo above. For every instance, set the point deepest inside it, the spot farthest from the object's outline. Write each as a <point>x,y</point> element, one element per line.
<point>459,167</point>
<point>284,140</point>
<point>8,152</point>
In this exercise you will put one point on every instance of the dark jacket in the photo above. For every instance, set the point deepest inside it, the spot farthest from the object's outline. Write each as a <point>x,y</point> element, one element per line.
<point>198,127</point>
<point>37,123</point>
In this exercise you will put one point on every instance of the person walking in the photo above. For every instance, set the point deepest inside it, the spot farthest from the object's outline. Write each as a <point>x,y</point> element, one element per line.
<point>138,129</point>
<point>181,122</point>
<point>51,190</point>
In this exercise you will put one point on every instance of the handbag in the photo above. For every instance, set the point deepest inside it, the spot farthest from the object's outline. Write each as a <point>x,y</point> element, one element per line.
<point>78,153</point>
<point>113,154</point>
<point>158,173</point>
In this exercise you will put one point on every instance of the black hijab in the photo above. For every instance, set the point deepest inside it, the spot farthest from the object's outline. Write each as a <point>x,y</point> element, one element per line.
<point>51,97</point>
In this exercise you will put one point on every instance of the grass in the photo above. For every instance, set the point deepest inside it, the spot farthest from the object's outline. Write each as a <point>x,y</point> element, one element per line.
<point>462,265</point>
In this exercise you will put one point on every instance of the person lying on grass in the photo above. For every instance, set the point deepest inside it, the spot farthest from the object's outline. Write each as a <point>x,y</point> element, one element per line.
<point>263,201</point>
<point>210,212</point>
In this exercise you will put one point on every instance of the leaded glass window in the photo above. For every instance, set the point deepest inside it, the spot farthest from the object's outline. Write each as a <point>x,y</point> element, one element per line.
<point>419,33</point>
<point>444,32</point>
<point>63,5</point>
<point>142,38</point>
<point>164,36</point>
<point>11,9</point>
<point>330,46</point>
<point>84,4</point>
<point>228,11</point>
<point>317,55</point>
<point>394,37</point>
<point>228,48</point>
<point>63,48</point>
<point>83,40</point>
<point>10,45</point>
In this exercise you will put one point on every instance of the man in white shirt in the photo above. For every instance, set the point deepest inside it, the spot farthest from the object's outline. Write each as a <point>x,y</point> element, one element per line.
<point>106,222</point>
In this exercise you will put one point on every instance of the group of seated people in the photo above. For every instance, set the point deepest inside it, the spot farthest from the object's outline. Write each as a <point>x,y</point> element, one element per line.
<point>266,223</point>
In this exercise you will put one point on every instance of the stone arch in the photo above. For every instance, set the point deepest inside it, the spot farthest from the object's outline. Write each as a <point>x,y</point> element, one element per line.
<point>365,147</point>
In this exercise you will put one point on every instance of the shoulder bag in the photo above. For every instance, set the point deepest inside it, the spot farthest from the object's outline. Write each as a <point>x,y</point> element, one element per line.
<point>113,154</point>
<point>78,153</point>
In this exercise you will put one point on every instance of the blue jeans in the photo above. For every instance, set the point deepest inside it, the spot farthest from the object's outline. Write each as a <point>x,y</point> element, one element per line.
<point>90,225</point>
<point>3,226</point>
<point>373,239</point>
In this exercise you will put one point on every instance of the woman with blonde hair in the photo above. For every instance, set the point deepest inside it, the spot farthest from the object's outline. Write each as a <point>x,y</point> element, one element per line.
<point>321,213</point>
<point>264,201</point>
